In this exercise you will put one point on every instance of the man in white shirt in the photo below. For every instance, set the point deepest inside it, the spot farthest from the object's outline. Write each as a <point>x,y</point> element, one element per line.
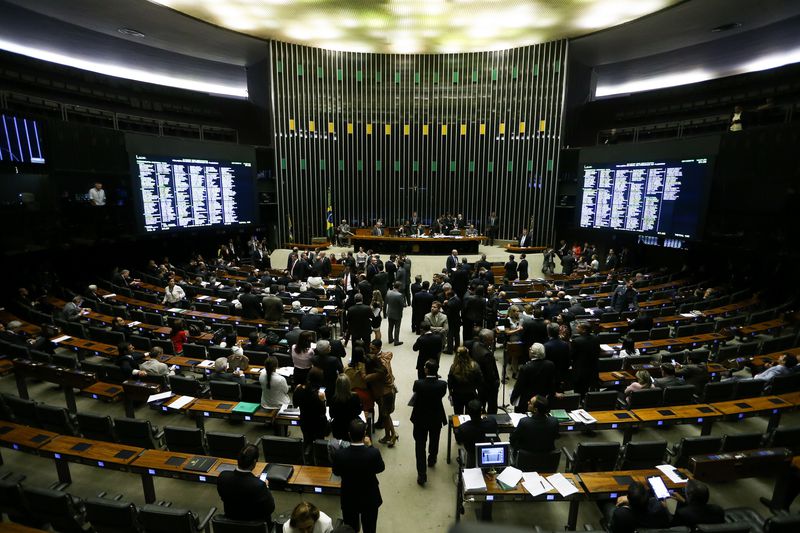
<point>97,196</point>
<point>173,293</point>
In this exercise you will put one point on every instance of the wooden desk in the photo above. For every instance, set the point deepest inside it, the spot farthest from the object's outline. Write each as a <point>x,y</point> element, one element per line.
<point>762,405</point>
<point>68,378</point>
<point>679,414</point>
<point>661,302</point>
<point>320,479</point>
<point>761,327</point>
<point>494,493</point>
<point>691,341</point>
<point>23,438</point>
<point>725,467</point>
<point>616,377</point>
<point>65,449</point>
<point>417,245</point>
<point>511,249</point>
<point>610,485</point>
<point>730,308</point>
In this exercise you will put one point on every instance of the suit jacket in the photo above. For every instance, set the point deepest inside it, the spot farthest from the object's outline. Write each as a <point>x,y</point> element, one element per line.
<point>380,282</point>
<point>522,269</point>
<point>525,241</point>
<point>244,496</point>
<point>557,351</point>
<point>623,298</point>
<point>472,431</point>
<point>312,322</point>
<point>453,311</point>
<point>377,232</point>
<point>691,515</point>
<point>511,270</point>
<point>428,410</point>
<point>536,434</point>
<point>251,305</point>
<point>359,466</point>
<point>299,270</point>
<point>537,376</point>
<point>395,301</point>
<point>429,346</point>
<point>460,280</point>
<point>585,352</point>
<point>452,262</point>
<point>474,308</point>
<point>365,288</point>
<point>420,306</point>
<point>359,320</point>
<point>485,359</point>
<point>534,330</point>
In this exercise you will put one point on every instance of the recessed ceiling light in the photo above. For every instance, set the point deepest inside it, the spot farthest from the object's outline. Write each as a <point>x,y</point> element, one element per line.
<point>130,32</point>
<point>727,27</point>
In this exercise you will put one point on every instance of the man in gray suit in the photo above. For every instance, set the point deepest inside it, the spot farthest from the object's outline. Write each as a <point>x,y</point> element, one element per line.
<point>395,302</point>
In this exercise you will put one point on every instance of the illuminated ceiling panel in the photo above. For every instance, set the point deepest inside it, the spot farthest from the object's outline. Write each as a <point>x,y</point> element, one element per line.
<point>416,26</point>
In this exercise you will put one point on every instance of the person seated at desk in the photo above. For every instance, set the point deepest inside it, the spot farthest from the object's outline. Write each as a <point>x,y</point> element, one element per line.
<point>306,518</point>
<point>643,381</point>
<point>471,231</point>
<point>474,430</point>
<point>693,507</point>
<point>243,495</point>
<point>72,310</point>
<point>695,372</point>
<point>237,358</point>
<point>312,320</point>
<point>536,433</point>
<point>627,348</point>
<point>274,388</point>
<point>127,360</point>
<point>668,378</point>
<point>220,372</point>
<point>152,366</point>
<point>786,365</point>
<point>638,510</point>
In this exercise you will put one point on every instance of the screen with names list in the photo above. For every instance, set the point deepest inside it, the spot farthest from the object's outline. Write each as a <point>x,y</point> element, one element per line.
<point>184,193</point>
<point>665,198</point>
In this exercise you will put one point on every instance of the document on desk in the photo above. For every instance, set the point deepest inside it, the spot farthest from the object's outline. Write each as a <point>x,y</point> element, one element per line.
<point>109,295</point>
<point>672,473</point>
<point>516,417</point>
<point>206,363</point>
<point>535,484</point>
<point>181,402</point>
<point>329,308</point>
<point>133,324</point>
<point>562,485</point>
<point>159,396</point>
<point>510,476</point>
<point>463,418</point>
<point>285,371</point>
<point>62,338</point>
<point>582,417</point>
<point>606,348</point>
<point>473,479</point>
<point>176,310</point>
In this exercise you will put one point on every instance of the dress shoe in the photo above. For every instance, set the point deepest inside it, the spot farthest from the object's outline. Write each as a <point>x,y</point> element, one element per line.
<point>421,480</point>
<point>398,343</point>
<point>431,462</point>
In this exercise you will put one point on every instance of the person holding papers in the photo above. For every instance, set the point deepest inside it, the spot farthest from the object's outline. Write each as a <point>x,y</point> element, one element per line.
<point>243,495</point>
<point>536,433</point>
<point>638,510</point>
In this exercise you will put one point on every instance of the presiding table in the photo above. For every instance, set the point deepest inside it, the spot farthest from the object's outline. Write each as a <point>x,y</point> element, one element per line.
<point>418,245</point>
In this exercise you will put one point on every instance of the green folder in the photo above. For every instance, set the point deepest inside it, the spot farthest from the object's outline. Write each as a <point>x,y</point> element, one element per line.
<point>559,414</point>
<point>246,407</point>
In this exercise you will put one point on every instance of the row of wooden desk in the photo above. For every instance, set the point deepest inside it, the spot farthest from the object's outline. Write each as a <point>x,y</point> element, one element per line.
<point>149,464</point>
<point>626,421</point>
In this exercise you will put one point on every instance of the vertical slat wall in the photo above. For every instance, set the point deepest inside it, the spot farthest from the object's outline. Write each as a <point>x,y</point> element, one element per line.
<point>390,134</point>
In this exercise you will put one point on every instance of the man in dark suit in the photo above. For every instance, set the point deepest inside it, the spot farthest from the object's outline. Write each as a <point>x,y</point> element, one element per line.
<point>557,351</point>
<point>428,346</point>
<point>537,377</point>
<point>492,226</point>
<point>312,320</point>
<point>251,304</point>
<point>585,351</point>
<point>525,239</point>
<point>535,329</point>
<point>365,289</point>
<point>483,354</point>
<point>452,261</point>
<point>510,269</point>
<point>474,430</point>
<point>452,308</point>
<point>428,417</point>
<point>459,279</point>
<point>696,509</point>
<point>625,296</point>
<point>299,268</point>
<point>420,306</point>
<point>642,322</point>
<point>380,282</point>
<point>359,320</point>
<point>567,263</point>
<point>243,495</point>
<point>522,267</point>
<point>537,433</point>
<point>473,308</point>
<point>359,465</point>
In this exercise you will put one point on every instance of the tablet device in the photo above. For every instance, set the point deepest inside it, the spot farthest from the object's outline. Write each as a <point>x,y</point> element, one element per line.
<point>660,490</point>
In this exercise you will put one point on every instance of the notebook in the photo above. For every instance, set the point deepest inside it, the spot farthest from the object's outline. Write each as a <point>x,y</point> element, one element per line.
<point>246,407</point>
<point>560,415</point>
<point>200,464</point>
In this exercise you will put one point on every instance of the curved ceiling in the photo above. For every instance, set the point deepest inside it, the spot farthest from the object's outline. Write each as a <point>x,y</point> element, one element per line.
<point>416,26</point>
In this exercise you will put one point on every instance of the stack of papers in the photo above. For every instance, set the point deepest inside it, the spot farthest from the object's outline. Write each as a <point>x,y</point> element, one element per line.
<point>288,410</point>
<point>203,297</point>
<point>509,477</point>
<point>607,348</point>
<point>62,338</point>
<point>463,418</point>
<point>175,310</point>
<point>181,402</point>
<point>134,323</point>
<point>329,308</point>
<point>286,371</point>
<point>672,473</point>
<point>473,479</point>
<point>159,396</point>
<point>562,485</point>
<point>535,484</point>
<point>582,417</point>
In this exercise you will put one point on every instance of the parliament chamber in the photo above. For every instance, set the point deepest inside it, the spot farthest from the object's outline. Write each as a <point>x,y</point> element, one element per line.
<point>456,266</point>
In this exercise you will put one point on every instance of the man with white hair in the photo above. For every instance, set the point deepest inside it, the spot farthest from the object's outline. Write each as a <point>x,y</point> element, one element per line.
<point>330,364</point>
<point>537,377</point>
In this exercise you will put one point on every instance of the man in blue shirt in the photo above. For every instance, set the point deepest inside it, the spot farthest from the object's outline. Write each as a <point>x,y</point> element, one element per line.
<point>785,366</point>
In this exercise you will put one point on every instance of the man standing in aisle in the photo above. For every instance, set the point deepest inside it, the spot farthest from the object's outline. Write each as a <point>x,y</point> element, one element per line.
<point>492,227</point>
<point>428,417</point>
<point>395,302</point>
<point>97,196</point>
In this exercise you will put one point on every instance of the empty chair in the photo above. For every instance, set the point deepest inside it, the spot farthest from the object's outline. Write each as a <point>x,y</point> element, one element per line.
<point>679,395</point>
<point>225,444</point>
<point>686,330</point>
<point>608,337</point>
<point>320,451</point>
<point>784,437</point>
<point>592,457</point>
<point>194,350</point>
<point>643,454</point>
<point>184,440</point>
<point>164,344</point>
<point>23,411</point>
<point>97,427</point>
<point>153,319</point>
<point>112,516</point>
<point>251,392</point>
<point>244,330</point>
<point>609,364</point>
<point>61,510</point>
<point>600,401</point>
<point>777,344</point>
<point>631,360</point>
<point>225,390</point>
<point>142,344</point>
<point>40,357</point>
<point>785,384</point>
<point>705,327</point>
<point>139,433</point>
<point>720,391</point>
<point>215,352</point>
<point>748,388</point>
<point>55,419</point>
<point>689,446</point>
<point>184,386</point>
<point>287,450</point>
<point>741,441</point>
<point>659,333</point>
<point>788,523</point>
<point>65,360</point>
<point>748,349</point>
<point>223,524</point>
<point>537,462</point>
<point>642,399</point>
<point>639,335</point>
<point>609,317</point>
<point>568,402</point>
<point>730,351</point>
<point>158,519</point>
<point>13,505</point>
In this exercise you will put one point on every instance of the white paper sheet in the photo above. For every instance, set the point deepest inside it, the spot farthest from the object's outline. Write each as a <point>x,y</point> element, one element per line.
<point>134,323</point>
<point>688,315</point>
<point>562,485</point>
<point>463,418</point>
<point>473,479</point>
<point>535,484</point>
<point>510,476</point>
<point>110,295</point>
<point>285,371</point>
<point>208,363</point>
<point>582,416</point>
<point>607,348</point>
<point>516,417</point>
<point>159,396</point>
<point>669,471</point>
<point>329,308</point>
<point>181,402</point>
<point>62,338</point>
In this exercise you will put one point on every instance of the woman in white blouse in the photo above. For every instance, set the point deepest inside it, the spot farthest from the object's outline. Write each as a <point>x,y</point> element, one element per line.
<point>274,389</point>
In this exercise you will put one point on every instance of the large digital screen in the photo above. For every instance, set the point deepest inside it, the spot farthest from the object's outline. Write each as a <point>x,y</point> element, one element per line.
<point>663,198</point>
<point>20,140</point>
<point>187,193</point>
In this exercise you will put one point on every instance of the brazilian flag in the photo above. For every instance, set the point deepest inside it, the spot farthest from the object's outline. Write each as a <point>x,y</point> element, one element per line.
<point>329,218</point>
